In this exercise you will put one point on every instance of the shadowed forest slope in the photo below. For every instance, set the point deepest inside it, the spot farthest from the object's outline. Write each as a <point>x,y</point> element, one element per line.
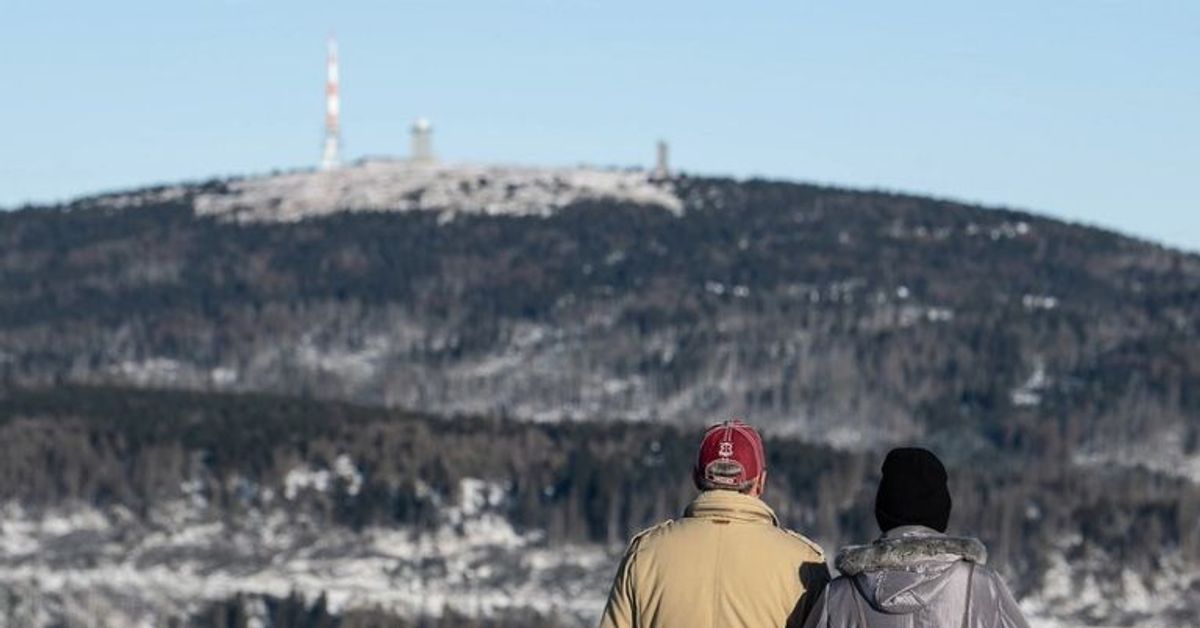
<point>843,317</point>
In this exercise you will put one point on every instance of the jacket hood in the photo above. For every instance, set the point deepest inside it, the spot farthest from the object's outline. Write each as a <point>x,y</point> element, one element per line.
<point>907,568</point>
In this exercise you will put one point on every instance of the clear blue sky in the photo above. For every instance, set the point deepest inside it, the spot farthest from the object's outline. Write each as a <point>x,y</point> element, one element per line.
<point>1083,109</point>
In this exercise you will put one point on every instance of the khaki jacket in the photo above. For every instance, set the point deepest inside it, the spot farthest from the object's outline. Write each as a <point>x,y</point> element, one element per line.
<point>726,564</point>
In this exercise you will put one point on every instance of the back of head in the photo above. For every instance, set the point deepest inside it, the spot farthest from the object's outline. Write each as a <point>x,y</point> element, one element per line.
<point>913,491</point>
<point>731,457</point>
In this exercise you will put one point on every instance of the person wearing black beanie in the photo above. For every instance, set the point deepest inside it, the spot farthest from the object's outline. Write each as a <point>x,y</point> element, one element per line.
<point>913,491</point>
<point>915,575</point>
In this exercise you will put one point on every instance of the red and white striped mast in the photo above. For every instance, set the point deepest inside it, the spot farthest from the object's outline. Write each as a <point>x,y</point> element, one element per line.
<point>331,157</point>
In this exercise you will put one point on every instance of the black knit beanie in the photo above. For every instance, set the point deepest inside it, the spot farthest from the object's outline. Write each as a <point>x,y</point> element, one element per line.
<point>913,491</point>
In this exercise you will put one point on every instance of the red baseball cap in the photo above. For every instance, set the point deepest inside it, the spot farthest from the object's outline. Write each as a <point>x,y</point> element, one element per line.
<point>730,457</point>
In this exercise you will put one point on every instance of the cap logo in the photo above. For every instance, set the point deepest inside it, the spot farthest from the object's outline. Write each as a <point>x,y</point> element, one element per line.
<point>726,450</point>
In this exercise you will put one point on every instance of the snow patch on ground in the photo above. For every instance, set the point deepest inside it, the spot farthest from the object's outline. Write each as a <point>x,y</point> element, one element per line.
<point>1164,452</point>
<point>396,185</point>
<point>1086,590</point>
<point>129,571</point>
<point>359,364</point>
<point>305,478</point>
<point>1039,302</point>
<point>154,371</point>
<point>1030,392</point>
<point>140,198</point>
<point>74,564</point>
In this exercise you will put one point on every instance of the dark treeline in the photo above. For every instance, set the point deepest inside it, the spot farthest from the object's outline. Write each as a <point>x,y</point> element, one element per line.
<point>594,482</point>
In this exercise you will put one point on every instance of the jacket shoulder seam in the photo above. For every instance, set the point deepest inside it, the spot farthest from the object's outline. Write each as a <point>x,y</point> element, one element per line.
<point>809,543</point>
<point>636,542</point>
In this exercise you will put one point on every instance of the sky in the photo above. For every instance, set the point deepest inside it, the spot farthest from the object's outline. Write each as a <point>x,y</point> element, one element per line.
<point>1087,110</point>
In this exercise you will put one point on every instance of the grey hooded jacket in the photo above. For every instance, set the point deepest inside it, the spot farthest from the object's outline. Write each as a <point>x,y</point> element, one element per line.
<point>915,577</point>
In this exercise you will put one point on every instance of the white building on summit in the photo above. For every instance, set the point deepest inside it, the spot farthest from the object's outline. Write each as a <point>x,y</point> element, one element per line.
<point>422,142</point>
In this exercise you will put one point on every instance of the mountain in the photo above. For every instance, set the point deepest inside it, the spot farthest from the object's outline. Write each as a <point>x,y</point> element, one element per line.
<point>1056,367</point>
<point>854,318</point>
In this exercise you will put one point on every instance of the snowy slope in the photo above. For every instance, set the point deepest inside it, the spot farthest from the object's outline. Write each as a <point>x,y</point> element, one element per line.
<point>395,185</point>
<point>129,571</point>
<point>112,568</point>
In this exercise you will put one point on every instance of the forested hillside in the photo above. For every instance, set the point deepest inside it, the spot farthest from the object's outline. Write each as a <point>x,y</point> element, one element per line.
<point>232,460</point>
<point>846,317</point>
<point>451,394</point>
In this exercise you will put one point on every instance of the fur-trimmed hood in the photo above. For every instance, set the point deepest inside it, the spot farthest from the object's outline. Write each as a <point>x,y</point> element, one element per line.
<point>907,551</point>
<point>909,567</point>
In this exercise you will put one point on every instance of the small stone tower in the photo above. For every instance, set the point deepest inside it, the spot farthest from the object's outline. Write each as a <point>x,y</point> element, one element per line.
<point>422,142</point>
<point>662,168</point>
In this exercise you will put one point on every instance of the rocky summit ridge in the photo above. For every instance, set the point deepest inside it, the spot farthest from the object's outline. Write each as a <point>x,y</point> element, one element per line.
<point>398,185</point>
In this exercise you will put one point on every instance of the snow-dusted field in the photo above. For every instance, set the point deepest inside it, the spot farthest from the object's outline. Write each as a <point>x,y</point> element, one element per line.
<point>398,185</point>
<point>89,567</point>
<point>125,571</point>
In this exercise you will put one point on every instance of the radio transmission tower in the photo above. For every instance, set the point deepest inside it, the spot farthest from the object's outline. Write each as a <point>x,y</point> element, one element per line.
<point>331,157</point>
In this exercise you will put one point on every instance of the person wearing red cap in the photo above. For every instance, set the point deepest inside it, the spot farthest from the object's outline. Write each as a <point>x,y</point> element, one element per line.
<point>727,563</point>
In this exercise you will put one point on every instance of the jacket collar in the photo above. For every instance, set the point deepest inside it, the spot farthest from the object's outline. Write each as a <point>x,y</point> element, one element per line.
<point>912,531</point>
<point>720,504</point>
<point>907,546</point>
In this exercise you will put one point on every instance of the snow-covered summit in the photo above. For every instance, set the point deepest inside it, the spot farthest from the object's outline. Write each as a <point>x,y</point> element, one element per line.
<point>396,185</point>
